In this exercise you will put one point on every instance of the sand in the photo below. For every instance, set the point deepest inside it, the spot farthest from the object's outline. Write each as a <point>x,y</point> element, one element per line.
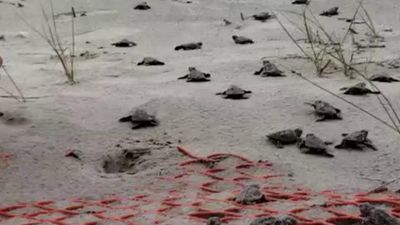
<point>85,116</point>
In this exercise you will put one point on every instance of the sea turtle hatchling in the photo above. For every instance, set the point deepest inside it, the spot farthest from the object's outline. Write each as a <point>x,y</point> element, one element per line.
<point>124,43</point>
<point>282,220</point>
<point>269,70</point>
<point>331,12</point>
<point>196,76</point>
<point>325,111</point>
<point>189,46</point>
<point>285,137</point>
<point>301,2</point>
<point>356,140</point>
<point>262,16</point>
<point>314,145</point>
<point>140,119</point>
<point>358,89</point>
<point>235,92</point>
<point>383,77</point>
<point>142,6</point>
<point>149,61</point>
<point>251,194</point>
<point>242,40</point>
<point>375,216</point>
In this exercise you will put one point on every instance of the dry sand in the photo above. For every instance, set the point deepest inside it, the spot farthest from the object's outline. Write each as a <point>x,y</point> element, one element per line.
<point>85,116</point>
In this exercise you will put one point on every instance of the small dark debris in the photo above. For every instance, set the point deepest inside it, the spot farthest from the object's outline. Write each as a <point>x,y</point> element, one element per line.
<point>331,12</point>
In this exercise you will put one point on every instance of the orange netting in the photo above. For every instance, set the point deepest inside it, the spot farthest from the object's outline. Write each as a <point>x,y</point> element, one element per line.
<point>204,187</point>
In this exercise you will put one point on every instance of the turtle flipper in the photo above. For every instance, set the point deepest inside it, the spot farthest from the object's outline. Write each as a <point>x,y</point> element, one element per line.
<point>343,89</point>
<point>183,77</point>
<point>125,119</point>
<point>370,145</point>
<point>321,118</point>
<point>220,93</point>
<point>328,154</point>
<point>140,63</point>
<point>374,92</point>
<point>277,143</point>
<point>340,146</point>
<point>248,92</point>
<point>137,126</point>
<point>310,104</point>
<point>395,80</point>
<point>258,72</point>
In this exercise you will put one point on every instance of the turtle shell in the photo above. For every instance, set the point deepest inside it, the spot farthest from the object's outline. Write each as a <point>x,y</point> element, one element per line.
<point>235,90</point>
<point>141,115</point>
<point>358,136</point>
<point>383,77</point>
<point>325,108</point>
<point>250,195</point>
<point>284,220</point>
<point>270,69</point>
<point>124,43</point>
<point>286,136</point>
<point>194,74</point>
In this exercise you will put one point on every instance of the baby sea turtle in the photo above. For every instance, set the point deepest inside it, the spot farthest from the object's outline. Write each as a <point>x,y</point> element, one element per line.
<point>140,118</point>
<point>242,40</point>
<point>285,137</point>
<point>325,111</point>
<point>251,194</point>
<point>263,16</point>
<point>375,216</point>
<point>358,89</point>
<point>269,70</point>
<point>356,140</point>
<point>124,43</point>
<point>214,220</point>
<point>196,76</point>
<point>189,46</point>
<point>383,77</point>
<point>301,2</point>
<point>142,6</point>
<point>149,61</point>
<point>235,92</point>
<point>331,12</point>
<point>283,220</point>
<point>314,145</point>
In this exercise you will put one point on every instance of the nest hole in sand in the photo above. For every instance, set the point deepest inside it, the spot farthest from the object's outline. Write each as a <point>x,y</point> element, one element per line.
<point>125,161</point>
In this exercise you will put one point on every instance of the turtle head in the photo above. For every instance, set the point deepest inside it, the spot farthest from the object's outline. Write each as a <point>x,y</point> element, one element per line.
<point>191,68</point>
<point>365,209</point>
<point>234,37</point>
<point>298,132</point>
<point>265,62</point>
<point>199,43</point>
<point>364,132</point>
